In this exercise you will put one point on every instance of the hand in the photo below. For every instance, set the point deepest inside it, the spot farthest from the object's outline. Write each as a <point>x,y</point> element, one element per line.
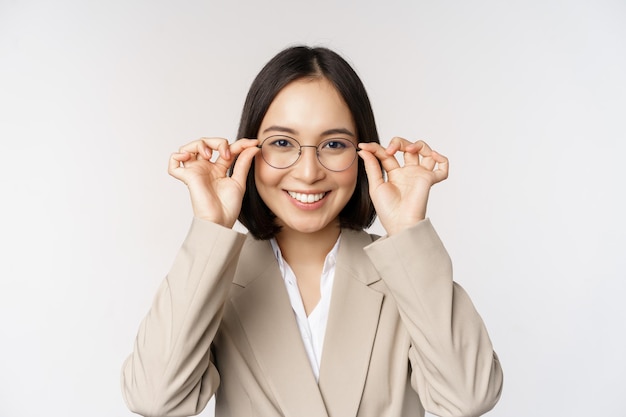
<point>401,201</point>
<point>215,196</point>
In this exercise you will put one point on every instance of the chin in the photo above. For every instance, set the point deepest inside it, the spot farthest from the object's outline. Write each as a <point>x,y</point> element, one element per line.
<point>307,226</point>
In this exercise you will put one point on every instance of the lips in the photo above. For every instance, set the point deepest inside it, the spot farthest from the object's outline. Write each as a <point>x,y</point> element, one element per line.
<point>306,198</point>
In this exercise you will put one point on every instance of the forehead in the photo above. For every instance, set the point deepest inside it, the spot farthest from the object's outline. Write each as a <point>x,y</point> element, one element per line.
<point>309,107</point>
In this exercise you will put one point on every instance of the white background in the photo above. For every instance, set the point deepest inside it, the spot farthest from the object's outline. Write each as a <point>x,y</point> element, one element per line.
<point>526,98</point>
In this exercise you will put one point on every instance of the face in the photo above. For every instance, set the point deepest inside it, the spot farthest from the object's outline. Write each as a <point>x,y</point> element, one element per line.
<point>306,197</point>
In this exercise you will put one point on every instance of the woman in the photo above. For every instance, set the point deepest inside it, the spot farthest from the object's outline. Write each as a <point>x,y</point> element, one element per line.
<point>309,315</point>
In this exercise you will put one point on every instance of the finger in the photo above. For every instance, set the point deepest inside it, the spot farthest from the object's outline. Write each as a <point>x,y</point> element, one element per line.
<point>412,152</point>
<point>397,144</point>
<point>234,150</point>
<point>222,147</point>
<point>442,168</point>
<point>372,168</point>
<point>417,153</point>
<point>204,147</point>
<point>389,162</point>
<point>224,151</point>
<point>175,161</point>
<point>240,145</point>
<point>242,166</point>
<point>421,149</point>
<point>182,156</point>
<point>196,147</point>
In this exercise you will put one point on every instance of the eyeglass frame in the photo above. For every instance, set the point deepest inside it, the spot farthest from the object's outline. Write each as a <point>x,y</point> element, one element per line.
<point>317,152</point>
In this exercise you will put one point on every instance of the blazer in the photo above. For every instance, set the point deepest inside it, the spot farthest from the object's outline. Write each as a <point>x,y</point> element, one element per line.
<point>401,337</point>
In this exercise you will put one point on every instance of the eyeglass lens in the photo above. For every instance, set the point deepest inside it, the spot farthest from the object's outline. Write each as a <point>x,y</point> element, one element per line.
<point>336,154</point>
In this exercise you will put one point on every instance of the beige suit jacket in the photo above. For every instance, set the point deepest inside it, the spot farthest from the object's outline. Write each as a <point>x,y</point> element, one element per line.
<point>401,335</point>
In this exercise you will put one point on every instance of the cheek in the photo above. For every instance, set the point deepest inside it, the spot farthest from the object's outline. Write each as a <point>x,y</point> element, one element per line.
<point>264,175</point>
<point>259,171</point>
<point>353,175</point>
<point>348,180</point>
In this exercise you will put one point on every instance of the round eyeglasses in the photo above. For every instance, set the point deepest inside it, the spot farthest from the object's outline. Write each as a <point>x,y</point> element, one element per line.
<point>280,152</point>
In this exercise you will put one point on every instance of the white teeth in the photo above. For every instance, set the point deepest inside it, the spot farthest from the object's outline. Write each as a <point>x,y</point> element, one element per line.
<point>306,198</point>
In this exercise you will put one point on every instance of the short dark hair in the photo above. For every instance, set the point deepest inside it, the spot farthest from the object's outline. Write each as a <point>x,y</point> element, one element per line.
<point>289,65</point>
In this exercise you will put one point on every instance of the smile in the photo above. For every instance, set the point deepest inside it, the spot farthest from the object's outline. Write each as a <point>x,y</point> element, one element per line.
<point>306,198</point>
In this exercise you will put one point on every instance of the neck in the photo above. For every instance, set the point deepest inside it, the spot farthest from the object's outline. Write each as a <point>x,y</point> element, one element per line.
<point>298,248</point>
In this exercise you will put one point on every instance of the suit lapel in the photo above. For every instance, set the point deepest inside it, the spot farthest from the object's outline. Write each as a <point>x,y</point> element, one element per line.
<point>351,329</point>
<point>266,315</point>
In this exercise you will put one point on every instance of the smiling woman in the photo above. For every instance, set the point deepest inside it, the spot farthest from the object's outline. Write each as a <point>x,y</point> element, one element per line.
<point>309,314</point>
<point>312,110</point>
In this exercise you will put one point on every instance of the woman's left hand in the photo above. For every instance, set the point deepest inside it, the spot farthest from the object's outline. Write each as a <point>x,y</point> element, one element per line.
<point>401,200</point>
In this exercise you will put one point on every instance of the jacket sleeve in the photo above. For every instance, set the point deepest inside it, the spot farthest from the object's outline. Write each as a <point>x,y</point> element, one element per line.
<point>454,368</point>
<point>170,371</point>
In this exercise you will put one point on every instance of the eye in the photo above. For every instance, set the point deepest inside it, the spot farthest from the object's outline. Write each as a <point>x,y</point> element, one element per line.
<point>336,144</point>
<point>282,142</point>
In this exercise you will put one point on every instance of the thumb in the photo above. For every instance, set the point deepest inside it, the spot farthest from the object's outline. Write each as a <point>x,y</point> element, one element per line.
<point>242,165</point>
<point>174,168</point>
<point>372,169</point>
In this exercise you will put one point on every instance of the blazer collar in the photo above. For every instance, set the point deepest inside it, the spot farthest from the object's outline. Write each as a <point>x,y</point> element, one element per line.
<point>266,316</point>
<point>351,329</point>
<point>265,312</point>
<point>260,258</point>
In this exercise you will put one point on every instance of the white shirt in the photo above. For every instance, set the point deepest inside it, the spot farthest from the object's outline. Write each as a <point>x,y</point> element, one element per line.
<point>313,327</point>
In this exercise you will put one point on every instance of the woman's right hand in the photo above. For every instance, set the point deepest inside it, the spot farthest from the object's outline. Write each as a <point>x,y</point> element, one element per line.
<point>215,196</point>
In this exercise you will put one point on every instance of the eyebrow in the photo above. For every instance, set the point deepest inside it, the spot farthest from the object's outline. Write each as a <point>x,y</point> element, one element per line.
<point>283,129</point>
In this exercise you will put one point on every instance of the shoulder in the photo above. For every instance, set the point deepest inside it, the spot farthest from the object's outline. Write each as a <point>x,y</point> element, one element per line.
<point>360,238</point>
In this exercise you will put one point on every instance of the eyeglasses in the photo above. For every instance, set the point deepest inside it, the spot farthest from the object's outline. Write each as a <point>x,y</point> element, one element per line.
<point>334,154</point>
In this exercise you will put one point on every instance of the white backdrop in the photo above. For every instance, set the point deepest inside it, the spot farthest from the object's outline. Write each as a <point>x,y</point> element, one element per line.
<point>526,98</point>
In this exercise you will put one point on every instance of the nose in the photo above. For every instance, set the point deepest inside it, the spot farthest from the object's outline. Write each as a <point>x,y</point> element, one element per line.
<point>308,167</point>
